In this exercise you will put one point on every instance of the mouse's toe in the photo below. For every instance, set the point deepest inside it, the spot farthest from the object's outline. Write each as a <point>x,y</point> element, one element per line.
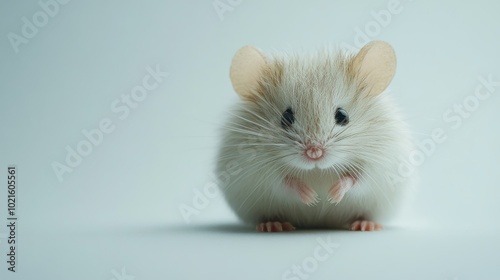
<point>275,227</point>
<point>363,225</point>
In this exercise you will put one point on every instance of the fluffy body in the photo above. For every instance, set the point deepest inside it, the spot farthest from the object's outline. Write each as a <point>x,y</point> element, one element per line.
<point>257,155</point>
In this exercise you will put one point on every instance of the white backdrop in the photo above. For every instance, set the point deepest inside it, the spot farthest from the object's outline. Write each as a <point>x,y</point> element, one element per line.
<point>152,76</point>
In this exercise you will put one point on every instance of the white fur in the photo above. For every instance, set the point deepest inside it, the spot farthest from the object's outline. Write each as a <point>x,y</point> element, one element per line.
<point>256,153</point>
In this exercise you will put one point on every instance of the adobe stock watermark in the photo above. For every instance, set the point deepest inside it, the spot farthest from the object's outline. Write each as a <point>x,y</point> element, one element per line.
<point>30,27</point>
<point>454,118</point>
<point>202,198</point>
<point>323,250</point>
<point>212,190</point>
<point>121,108</point>
<point>225,6</point>
<point>122,275</point>
<point>380,19</point>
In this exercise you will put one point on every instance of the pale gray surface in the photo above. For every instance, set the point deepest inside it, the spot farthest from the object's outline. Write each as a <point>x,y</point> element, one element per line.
<point>120,206</point>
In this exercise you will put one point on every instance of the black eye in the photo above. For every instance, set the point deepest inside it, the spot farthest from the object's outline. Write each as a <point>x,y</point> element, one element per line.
<point>341,117</point>
<point>287,118</point>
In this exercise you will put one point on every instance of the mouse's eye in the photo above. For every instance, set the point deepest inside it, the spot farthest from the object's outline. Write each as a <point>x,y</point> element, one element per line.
<point>287,118</point>
<point>341,117</point>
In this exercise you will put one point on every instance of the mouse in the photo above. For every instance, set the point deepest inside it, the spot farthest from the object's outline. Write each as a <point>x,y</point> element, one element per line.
<point>314,141</point>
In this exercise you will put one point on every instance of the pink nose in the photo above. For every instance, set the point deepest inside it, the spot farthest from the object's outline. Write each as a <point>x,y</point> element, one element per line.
<point>314,153</point>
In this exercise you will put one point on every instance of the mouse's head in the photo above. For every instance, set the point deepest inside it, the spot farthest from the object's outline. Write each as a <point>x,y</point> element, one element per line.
<point>315,111</point>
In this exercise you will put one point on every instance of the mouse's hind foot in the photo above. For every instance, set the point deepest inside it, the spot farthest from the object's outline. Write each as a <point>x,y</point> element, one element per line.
<point>363,225</point>
<point>275,227</point>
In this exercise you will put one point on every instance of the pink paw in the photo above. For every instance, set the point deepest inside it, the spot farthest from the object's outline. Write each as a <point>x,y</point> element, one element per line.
<point>306,194</point>
<point>362,225</point>
<point>340,188</point>
<point>275,227</point>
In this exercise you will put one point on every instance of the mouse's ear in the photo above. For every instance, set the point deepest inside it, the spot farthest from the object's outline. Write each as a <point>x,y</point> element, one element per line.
<point>246,69</point>
<point>375,64</point>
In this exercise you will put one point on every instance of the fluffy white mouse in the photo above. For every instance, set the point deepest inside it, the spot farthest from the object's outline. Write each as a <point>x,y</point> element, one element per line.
<point>315,142</point>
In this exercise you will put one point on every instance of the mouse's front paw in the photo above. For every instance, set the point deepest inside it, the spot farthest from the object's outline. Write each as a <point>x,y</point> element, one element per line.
<point>306,194</point>
<point>340,188</point>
